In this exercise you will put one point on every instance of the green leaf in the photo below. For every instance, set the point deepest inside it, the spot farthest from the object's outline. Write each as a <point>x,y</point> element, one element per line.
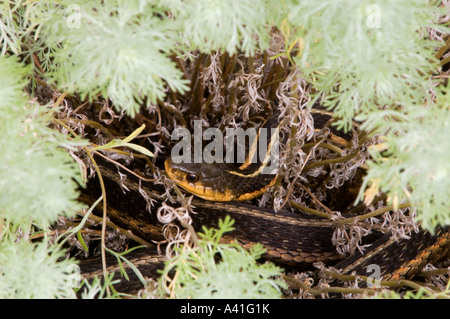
<point>124,143</point>
<point>81,241</point>
<point>138,148</point>
<point>215,270</point>
<point>135,133</point>
<point>120,257</point>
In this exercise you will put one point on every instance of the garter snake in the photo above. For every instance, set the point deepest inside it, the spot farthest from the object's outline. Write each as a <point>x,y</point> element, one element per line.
<point>223,181</point>
<point>291,238</point>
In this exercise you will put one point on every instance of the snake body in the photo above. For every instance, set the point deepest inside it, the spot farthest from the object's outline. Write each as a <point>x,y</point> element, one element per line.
<point>290,238</point>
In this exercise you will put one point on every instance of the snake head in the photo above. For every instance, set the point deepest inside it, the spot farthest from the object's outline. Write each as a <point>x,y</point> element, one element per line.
<point>201,179</point>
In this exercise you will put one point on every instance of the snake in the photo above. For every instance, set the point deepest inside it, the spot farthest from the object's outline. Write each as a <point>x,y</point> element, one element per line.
<point>295,239</point>
<point>223,181</point>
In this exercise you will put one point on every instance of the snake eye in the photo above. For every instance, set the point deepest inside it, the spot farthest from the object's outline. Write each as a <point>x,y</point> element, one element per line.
<point>192,178</point>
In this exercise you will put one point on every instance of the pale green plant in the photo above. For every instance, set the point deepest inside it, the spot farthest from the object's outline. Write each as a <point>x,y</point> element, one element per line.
<point>366,58</point>
<point>413,163</point>
<point>38,177</point>
<point>120,49</point>
<point>29,270</point>
<point>215,25</point>
<point>215,270</point>
<point>363,55</point>
<point>374,59</point>
<point>37,184</point>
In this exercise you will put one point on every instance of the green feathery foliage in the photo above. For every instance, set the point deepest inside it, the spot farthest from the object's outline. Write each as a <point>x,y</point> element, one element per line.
<point>414,164</point>
<point>215,25</point>
<point>29,270</point>
<point>37,184</point>
<point>9,29</point>
<point>33,164</point>
<point>120,49</point>
<point>363,55</point>
<point>373,59</point>
<point>237,274</point>
<point>37,175</point>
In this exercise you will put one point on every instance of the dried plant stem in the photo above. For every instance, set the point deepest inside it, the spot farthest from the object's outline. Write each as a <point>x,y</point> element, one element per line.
<point>309,210</point>
<point>298,284</point>
<point>229,67</point>
<point>331,147</point>
<point>104,217</point>
<point>442,50</point>
<point>125,168</point>
<point>342,159</point>
<point>59,100</point>
<point>434,272</point>
<point>381,283</point>
<point>445,60</point>
<point>372,214</point>
<point>174,111</point>
<point>314,198</point>
<point>363,206</point>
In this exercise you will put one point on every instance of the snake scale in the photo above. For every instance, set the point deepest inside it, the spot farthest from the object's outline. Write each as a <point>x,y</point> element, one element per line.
<point>294,239</point>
